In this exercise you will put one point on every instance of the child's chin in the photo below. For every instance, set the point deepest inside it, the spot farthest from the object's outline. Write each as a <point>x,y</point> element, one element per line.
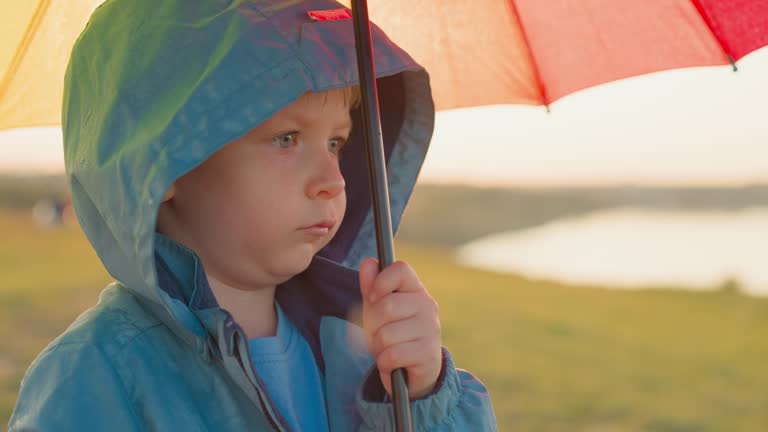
<point>300,268</point>
<point>296,266</point>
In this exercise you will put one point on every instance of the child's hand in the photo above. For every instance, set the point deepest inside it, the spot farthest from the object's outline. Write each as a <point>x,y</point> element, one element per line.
<point>401,324</point>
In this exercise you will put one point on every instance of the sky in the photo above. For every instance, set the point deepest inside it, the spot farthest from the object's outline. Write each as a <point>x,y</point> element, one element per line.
<point>689,127</point>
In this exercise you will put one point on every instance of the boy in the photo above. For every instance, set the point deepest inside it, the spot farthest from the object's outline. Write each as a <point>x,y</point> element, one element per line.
<point>203,142</point>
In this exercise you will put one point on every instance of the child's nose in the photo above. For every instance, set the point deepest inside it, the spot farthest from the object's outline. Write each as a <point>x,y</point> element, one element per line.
<point>327,182</point>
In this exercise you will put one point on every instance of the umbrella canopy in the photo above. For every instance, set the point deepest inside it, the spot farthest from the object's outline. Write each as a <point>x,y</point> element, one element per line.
<point>522,51</point>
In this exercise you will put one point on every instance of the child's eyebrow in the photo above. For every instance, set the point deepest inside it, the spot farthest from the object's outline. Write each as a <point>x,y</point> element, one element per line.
<point>344,124</point>
<point>303,119</point>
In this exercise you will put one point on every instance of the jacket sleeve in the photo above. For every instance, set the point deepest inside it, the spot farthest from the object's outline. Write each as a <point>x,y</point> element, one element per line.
<point>459,402</point>
<point>72,387</point>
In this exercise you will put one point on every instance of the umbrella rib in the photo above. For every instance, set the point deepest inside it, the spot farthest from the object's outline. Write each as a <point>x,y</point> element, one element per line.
<point>26,42</point>
<point>532,59</point>
<point>705,17</point>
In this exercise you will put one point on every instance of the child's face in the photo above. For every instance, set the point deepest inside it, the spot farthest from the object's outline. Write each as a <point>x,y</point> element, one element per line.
<point>246,209</point>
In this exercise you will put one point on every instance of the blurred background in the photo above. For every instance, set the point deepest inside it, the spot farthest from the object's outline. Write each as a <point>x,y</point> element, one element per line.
<point>600,262</point>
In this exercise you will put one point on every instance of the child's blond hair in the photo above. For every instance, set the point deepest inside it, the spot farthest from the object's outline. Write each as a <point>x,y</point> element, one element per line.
<point>351,94</point>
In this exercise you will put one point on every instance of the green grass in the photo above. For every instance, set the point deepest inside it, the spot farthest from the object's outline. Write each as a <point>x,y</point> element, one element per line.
<point>554,357</point>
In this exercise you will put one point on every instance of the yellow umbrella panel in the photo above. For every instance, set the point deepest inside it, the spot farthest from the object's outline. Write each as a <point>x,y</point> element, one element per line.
<point>36,38</point>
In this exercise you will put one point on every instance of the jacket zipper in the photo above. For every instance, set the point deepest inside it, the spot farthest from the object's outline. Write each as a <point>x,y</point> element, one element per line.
<point>269,416</point>
<point>264,404</point>
<point>271,419</point>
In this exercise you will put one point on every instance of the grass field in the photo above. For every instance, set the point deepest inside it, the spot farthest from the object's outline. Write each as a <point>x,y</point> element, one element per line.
<point>555,357</point>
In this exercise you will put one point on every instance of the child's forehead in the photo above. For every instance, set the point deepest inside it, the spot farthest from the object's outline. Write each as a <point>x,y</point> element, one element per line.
<point>329,107</point>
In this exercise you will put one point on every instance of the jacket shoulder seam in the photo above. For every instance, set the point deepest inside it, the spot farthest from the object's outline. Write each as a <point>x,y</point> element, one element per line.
<point>87,343</point>
<point>138,334</point>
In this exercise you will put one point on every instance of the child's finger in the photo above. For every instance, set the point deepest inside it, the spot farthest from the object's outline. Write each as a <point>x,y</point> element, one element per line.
<point>403,356</point>
<point>369,268</point>
<point>398,277</point>
<point>395,307</point>
<point>397,332</point>
<point>415,357</point>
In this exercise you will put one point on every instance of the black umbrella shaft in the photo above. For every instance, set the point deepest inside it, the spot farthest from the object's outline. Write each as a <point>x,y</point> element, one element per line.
<point>378,175</point>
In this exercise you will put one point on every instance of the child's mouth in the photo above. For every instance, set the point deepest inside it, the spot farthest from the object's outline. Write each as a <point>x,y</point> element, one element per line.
<point>321,228</point>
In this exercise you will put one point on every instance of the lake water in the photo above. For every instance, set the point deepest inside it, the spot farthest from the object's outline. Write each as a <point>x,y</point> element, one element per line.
<point>635,248</point>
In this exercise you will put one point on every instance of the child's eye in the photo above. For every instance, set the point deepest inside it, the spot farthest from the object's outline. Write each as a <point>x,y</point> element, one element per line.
<point>335,145</point>
<point>286,140</point>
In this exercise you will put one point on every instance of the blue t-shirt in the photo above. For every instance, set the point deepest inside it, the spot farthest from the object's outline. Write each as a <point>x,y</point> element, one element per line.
<point>287,366</point>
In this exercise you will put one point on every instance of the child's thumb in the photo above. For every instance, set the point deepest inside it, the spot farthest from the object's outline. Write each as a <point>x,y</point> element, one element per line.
<point>369,268</point>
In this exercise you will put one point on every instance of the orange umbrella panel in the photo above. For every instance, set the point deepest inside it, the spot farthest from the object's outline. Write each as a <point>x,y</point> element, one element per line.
<point>483,52</point>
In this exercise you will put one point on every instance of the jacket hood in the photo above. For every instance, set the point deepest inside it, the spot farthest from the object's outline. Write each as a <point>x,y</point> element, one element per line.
<point>153,89</point>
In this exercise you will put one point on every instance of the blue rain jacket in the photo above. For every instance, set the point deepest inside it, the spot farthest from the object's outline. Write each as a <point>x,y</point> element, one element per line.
<point>153,88</point>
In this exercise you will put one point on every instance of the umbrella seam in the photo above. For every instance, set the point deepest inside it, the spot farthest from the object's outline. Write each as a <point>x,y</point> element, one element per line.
<point>534,65</point>
<point>23,47</point>
<point>708,22</point>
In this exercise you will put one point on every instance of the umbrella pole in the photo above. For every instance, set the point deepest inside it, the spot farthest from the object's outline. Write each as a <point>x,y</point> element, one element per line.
<point>378,175</point>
